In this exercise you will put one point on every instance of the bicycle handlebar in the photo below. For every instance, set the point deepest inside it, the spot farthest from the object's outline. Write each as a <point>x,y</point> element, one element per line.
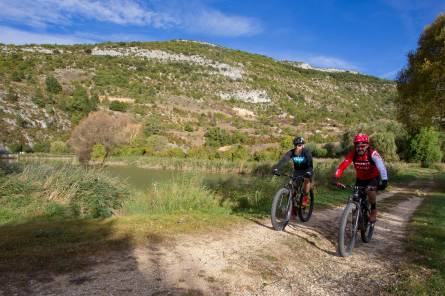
<point>347,186</point>
<point>287,175</point>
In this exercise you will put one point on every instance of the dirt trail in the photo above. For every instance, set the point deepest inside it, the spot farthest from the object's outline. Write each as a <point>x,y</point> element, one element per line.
<point>251,260</point>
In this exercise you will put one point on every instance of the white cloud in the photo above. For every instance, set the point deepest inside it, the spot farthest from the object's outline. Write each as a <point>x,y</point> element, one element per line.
<point>14,36</point>
<point>195,16</point>
<point>330,62</point>
<point>10,35</point>
<point>42,13</point>
<point>192,16</point>
<point>390,74</point>
<point>213,22</point>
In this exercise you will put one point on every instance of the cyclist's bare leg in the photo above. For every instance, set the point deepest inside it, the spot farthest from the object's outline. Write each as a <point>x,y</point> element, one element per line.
<point>307,185</point>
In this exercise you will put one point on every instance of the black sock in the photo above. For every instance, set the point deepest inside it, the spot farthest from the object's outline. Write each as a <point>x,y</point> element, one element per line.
<point>373,206</point>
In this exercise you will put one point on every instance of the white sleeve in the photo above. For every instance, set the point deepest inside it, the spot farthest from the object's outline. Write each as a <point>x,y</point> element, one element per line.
<point>380,165</point>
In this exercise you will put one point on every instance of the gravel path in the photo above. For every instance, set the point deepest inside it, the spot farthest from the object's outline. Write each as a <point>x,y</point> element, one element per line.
<point>252,259</point>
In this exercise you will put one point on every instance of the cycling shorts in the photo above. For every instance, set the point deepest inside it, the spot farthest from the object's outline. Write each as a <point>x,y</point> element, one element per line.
<point>371,183</point>
<point>307,174</point>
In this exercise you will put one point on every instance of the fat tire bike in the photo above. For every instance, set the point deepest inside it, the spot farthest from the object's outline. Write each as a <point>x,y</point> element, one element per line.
<point>354,219</point>
<point>290,200</point>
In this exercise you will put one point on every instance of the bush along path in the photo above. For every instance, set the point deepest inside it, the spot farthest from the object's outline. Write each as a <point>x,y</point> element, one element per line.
<point>250,259</point>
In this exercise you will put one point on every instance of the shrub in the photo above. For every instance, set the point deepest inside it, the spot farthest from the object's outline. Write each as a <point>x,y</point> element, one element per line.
<point>154,126</point>
<point>333,150</point>
<point>268,154</point>
<point>217,137</point>
<point>80,101</point>
<point>385,143</point>
<point>41,147</point>
<point>38,98</point>
<point>320,152</point>
<point>286,142</point>
<point>425,147</point>
<point>52,85</point>
<point>316,150</point>
<point>118,106</point>
<point>58,147</point>
<point>188,127</point>
<point>17,75</point>
<point>156,143</point>
<point>15,147</point>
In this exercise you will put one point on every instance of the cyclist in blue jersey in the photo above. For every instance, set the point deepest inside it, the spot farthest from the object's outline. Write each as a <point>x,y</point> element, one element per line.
<point>302,161</point>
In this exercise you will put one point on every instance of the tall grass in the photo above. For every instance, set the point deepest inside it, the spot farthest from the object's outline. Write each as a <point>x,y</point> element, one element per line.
<point>186,164</point>
<point>183,194</point>
<point>60,190</point>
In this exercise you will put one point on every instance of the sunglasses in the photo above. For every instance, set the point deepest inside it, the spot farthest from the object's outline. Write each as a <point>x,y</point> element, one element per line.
<point>299,145</point>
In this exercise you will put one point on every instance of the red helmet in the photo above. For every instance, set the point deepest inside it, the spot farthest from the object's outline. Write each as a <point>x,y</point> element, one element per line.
<point>363,138</point>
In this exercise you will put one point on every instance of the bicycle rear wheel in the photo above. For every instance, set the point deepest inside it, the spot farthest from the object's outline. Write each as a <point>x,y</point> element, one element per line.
<point>281,207</point>
<point>305,210</point>
<point>348,230</point>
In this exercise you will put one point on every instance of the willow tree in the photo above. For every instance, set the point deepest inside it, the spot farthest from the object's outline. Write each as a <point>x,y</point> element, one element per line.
<point>421,85</point>
<point>105,128</point>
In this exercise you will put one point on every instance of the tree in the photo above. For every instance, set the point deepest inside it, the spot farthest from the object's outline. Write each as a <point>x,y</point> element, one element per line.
<point>425,147</point>
<point>385,143</point>
<point>101,127</point>
<point>421,85</point>
<point>52,85</point>
<point>81,102</point>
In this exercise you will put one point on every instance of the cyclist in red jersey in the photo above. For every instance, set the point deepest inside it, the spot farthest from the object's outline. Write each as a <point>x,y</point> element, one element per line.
<point>370,170</point>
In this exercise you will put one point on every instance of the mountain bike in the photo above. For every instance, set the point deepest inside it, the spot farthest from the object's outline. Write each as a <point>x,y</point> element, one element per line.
<point>354,219</point>
<point>289,200</point>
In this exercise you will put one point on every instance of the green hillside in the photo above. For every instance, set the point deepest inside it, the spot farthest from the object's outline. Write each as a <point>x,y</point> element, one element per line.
<point>181,91</point>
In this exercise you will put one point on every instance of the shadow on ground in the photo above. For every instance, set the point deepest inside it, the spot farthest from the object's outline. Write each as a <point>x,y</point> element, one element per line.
<point>78,257</point>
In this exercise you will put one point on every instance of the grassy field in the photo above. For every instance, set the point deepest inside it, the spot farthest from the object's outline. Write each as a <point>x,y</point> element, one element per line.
<point>425,274</point>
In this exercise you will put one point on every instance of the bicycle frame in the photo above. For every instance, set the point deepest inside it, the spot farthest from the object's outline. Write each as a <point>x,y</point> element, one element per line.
<point>359,198</point>
<point>294,185</point>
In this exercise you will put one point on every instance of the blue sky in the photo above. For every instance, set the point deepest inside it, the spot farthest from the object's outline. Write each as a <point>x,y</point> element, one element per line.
<point>372,37</point>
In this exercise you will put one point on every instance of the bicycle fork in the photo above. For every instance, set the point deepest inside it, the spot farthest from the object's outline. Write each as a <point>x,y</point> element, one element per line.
<point>355,223</point>
<point>289,206</point>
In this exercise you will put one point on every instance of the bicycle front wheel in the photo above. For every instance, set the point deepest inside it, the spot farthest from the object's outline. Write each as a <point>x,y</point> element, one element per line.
<point>281,207</point>
<point>348,230</point>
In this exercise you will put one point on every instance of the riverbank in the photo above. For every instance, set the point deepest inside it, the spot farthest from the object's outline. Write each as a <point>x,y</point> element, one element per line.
<point>81,211</point>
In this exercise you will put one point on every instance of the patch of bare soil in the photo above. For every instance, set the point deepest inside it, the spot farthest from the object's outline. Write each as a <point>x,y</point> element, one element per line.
<point>252,259</point>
